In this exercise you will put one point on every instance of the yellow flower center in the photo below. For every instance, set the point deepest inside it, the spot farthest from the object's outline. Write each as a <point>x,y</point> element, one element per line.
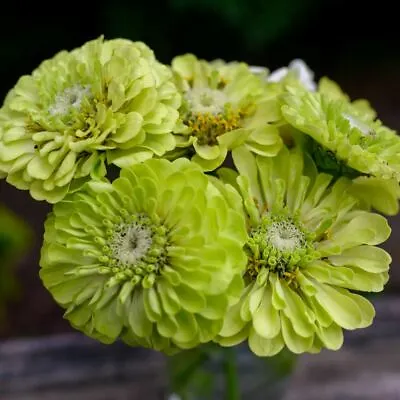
<point>211,115</point>
<point>207,127</point>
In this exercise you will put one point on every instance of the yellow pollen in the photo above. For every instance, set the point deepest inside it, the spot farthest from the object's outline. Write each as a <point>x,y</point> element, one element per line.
<point>291,277</point>
<point>207,126</point>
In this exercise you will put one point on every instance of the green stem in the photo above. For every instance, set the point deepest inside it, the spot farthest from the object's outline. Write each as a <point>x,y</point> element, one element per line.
<point>231,374</point>
<point>181,380</point>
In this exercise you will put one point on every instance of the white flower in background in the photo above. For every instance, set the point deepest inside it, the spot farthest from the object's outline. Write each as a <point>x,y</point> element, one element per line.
<point>298,68</point>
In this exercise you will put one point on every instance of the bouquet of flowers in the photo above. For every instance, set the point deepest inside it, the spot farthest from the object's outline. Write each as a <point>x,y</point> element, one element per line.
<point>246,207</point>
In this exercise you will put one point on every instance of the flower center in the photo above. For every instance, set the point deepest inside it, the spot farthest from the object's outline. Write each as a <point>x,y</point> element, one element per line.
<point>280,245</point>
<point>207,127</point>
<point>210,115</point>
<point>131,242</point>
<point>71,98</point>
<point>135,250</point>
<point>284,236</point>
<point>206,100</point>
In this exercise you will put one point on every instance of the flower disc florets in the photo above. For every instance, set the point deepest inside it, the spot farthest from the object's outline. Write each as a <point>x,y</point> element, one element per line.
<point>279,244</point>
<point>135,249</point>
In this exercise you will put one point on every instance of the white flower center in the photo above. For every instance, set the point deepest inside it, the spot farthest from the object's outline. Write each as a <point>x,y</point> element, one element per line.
<point>355,123</point>
<point>131,242</point>
<point>70,98</point>
<point>206,100</point>
<point>285,236</point>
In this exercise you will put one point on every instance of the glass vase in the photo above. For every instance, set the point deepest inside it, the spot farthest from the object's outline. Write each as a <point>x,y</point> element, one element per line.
<point>213,372</point>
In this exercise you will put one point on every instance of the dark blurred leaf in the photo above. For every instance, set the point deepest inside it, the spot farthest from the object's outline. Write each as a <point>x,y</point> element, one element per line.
<point>15,237</point>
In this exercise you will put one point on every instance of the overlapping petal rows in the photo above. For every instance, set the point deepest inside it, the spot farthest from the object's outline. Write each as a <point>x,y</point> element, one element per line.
<point>155,258</point>
<point>347,139</point>
<point>309,249</point>
<point>105,102</point>
<point>224,106</point>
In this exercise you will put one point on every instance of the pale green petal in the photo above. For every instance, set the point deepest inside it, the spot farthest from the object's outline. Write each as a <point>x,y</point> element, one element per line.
<point>295,343</point>
<point>379,194</point>
<point>207,152</point>
<point>265,347</point>
<point>246,166</point>
<point>297,312</point>
<point>234,138</point>
<point>137,318</point>
<point>234,340</point>
<point>266,321</point>
<point>107,322</point>
<point>365,228</point>
<point>340,305</point>
<point>368,258</point>
<point>212,164</point>
<point>331,337</point>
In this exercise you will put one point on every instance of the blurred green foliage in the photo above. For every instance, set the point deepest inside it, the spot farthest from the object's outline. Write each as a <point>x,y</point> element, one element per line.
<point>15,237</point>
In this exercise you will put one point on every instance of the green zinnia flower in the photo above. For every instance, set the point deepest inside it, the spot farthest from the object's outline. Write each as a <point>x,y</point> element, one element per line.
<point>106,101</point>
<point>155,257</point>
<point>224,106</point>
<point>345,139</point>
<point>309,247</point>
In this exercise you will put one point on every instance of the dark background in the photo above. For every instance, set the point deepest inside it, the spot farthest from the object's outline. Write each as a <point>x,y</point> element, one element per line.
<point>354,43</point>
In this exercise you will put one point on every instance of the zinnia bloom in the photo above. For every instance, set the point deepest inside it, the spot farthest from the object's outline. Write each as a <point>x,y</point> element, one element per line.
<point>309,250</point>
<point>224,106</point>
<point>107,101</point>
<point>345,138</point>
<point>155,258</point>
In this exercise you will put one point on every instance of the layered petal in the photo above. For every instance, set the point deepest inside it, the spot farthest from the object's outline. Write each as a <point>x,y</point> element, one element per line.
<point>104,102</point>
<point>311,245</point>
<point>225,106</point>
<point>155,258</point>
<point>345,138</point>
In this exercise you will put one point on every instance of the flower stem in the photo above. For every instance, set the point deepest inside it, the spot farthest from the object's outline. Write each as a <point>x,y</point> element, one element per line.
<point>231,375</point>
